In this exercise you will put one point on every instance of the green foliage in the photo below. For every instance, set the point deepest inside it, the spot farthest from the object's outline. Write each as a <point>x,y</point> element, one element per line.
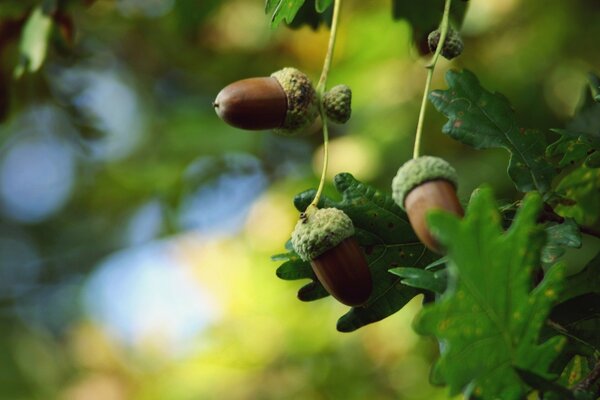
<point>559,237</point>
<point>282,10</point>
<point>581,189</point>
<point>489,319</point>
<point>422,279</point>
<point>384,232</point>
<point>575,147</point>
<point>34,41</point>
<point>484,120</point>
<point>426,19</point>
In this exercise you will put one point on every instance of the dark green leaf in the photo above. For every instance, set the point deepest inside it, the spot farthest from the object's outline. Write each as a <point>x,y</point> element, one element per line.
<point>584,282</point>
<point>544,385</point>
<point>384,232</point>
<point>422,279</point>
<point>580,318</point>
<point>308,15</point>
<point>489,318</point>
<point>486,120</point>
<point>426,17</point>
<point>582,188</point>
<point>587,118</point>
<point>574,147</point>
<point>560,236</point>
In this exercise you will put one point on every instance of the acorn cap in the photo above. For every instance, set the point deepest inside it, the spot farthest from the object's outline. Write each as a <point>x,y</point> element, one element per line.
<point>318,231</point>
<point>338,103</point>
<point>302,104</point>
<point>420,170</point>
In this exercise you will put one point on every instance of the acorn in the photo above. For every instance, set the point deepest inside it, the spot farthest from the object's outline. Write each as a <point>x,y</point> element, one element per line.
<point>325,237</point>
<point>286,102</point>
<point>338,103</point>
<point>424,184</point>
<point>453,45</point>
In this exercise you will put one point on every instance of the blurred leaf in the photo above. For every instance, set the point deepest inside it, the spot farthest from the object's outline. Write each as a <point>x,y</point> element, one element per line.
<point>582,188</point>
<point>34,42</point>
<point>587,118</point>
<point>489,318</point>
<point>544,385</point>
<point>574,147</point>
<point>322,5</point>
<point>580,318</point>
<point>422,279</point>
<point>486,120</point>
<point>426,17</point>
<point>384,232</point>
<point>584,282</point>
<point>560,236</point>
<point>578,311</point>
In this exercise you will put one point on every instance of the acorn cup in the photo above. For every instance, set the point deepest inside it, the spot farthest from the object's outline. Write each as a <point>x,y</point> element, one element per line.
<point>325,237</point>
<point>286,102</point>
<point>338,104</point>
<point>424,184</point>
<point>453,45</point>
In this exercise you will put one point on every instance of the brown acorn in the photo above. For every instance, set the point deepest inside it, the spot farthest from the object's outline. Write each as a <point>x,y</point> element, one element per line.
<point>285,102</point>
<point>325,237</point>
<point>424,184</point>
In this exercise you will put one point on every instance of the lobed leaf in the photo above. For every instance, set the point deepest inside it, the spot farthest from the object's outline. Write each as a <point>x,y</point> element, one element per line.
<point>559,237</point>
<point>385,234</point>
<point>489,319</point>
<point>299,12</point>
<point>486,120</point>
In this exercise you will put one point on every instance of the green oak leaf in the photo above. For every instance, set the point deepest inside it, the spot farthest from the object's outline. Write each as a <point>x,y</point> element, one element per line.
<point>282,10</point>
<point>489,319</point>
<point>560,236</point>
<point>297,13</point>
<point>582,188</point>
<point>575,147</point>
<point>422,278</point>
<point>383,230</point>
<point>485,120</point>
<point>34,41</point>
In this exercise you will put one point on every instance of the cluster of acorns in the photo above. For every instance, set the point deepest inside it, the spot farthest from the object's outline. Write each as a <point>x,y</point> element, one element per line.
<point>287,103</point>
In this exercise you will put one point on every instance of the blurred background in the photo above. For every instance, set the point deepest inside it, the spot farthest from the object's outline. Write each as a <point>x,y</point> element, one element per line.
<point>136,228</point>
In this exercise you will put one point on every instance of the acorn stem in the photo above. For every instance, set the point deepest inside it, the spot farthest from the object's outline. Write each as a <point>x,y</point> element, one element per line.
<point>329,56</point>
<point>430,69</point>
<point>320,92</point>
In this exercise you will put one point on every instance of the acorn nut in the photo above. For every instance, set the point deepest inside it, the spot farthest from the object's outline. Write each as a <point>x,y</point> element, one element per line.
<point>338,104</point>
<point>453,45</point>
<point>285,102</point>
<point>424,184</point>
<point>325,237</point>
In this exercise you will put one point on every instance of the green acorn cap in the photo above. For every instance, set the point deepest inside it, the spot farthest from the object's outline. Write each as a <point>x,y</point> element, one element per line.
<point>338,103</point>
<point>453,45</point>
<point>320,230</point>
<point>420,170</point>
<point>302,104</point>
